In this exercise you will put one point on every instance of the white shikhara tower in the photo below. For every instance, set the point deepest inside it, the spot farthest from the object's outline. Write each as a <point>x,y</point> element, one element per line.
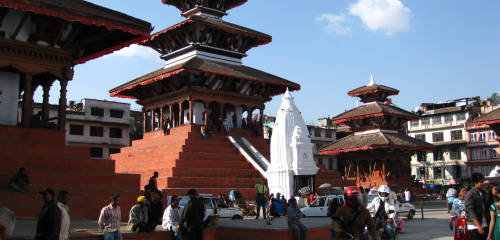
<point>292,164</point>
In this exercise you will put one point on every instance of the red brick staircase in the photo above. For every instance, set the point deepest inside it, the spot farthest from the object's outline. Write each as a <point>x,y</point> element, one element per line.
<point>184,160</point>
<point>50,163</point>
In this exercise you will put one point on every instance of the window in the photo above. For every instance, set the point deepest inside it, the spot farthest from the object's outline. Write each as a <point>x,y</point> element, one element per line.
<point>491,135</point>
<point>460,116</point>
<point>473,154</point>
<point>485,171</point>
<point>114,150</point>
<point>96,152</point>
<point>426,121</point>
<point>114,113</point>
<point>75,129</point>
<point>328,134</point>
<point>493,153</point>
<point>438,172</point>
<point>421,156</point>
<point>456,135</point>
<point>438,155</point>
<point>414,123</point>
<point>482,137</point>
<point>476,170</point>
<point>97,112</point>
<point>420,136</point>
<point>484,153</point>
<point>436,120</point>
<point>330,164</point>
<point>422,173</point>
<point>115,133</point>
<point>320,161</point>
<point>317,132</point>
<point>96,131</point>
<point>473,137</point>
<point>448,118</point>
<point>437,137</point>
<point>455,153</point>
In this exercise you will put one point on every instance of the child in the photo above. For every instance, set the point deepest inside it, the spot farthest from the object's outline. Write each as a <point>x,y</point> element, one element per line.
<point>494,230</point>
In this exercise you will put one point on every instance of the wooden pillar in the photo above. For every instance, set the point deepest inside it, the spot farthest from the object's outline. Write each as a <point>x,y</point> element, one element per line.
<point>144,115</point>
<point>45,104</point>
<point>180,114</point>
<point>161,118</point>
<point>205,113</point>
<point>170,115</point>
<point>152,120</point>
<point>27,101</point>
<point>262,117</point>
<point>249,118</point>
<point>221,110</point>
<point>62,104</point>
<point>190,117</point>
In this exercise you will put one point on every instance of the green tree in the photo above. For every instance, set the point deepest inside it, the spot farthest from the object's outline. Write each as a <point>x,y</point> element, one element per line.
<point>495,99</point>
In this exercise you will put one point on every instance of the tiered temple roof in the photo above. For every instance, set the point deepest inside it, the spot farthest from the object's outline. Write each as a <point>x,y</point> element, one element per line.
<point>376,124</point>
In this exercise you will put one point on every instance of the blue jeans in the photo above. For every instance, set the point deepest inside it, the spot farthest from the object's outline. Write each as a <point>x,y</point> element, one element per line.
<point>389,230</point>
<point>177,234</point>
<point>113,236</point>
<point>261,202</point>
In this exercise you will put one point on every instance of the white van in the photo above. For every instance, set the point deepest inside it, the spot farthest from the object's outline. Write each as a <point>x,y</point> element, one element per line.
<point>319,207</point>
<point>211,207</point>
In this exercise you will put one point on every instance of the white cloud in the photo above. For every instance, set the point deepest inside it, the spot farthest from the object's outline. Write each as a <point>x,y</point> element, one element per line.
<point>390,16</point>
<point>334,23</point>
<point>136,51</point>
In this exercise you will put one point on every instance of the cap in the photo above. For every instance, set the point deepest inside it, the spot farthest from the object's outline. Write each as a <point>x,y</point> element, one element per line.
<point>47,191</point>
<point>191,191</point>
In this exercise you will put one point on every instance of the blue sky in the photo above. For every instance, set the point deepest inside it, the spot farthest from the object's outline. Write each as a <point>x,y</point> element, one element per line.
<point>430,50</point>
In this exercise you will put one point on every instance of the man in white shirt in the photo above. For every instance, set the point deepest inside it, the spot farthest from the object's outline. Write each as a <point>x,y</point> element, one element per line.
<point>407,195</point>
<point>65,219</point>
<point>172,218</point>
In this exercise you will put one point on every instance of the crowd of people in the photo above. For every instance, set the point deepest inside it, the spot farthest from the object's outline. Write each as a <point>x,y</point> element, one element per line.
<point>475,212</point>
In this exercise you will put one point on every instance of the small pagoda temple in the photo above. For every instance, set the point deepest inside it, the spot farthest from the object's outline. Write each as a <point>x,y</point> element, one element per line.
<point>492,119</point>
<point>203,82</point>
<point>378,152</point>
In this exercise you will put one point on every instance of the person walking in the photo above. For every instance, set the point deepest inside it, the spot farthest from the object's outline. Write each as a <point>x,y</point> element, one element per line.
<point>193,215</point>
<point>407,194</point>
<point>138,216</point>
<point>477,225</point>
<point>349,221</point>
<point>457,215</point>
<point>293,219</point>
<point>260,198</point>
<point>153,182</point>
<point>172,218</point>
<point>451,195</point>
<point>109,219</point>
<point>494,230</point>
<point>48,226</point>
<point>62,196</point>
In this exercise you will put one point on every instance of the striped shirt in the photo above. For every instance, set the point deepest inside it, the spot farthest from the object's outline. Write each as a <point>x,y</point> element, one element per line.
<point>109,220</point>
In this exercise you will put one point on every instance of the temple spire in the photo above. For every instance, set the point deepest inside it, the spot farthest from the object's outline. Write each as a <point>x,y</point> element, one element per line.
<point>372,81</point>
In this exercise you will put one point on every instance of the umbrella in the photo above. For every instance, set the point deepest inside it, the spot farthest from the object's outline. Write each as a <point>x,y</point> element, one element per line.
<point>325,185</point>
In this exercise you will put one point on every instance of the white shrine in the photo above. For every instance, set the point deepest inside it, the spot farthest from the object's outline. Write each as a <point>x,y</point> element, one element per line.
<point>292,164</point>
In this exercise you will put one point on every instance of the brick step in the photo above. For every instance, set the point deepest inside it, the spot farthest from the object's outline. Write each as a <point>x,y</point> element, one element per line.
<point>205,148</point>
<point>54,151</point>
<point>83,205</point>
<point>130,166</point>
<point>212,156</point>
<point>213,172</point>
<point>154,154</point>
<point>12,163</point>
<point>76,181</point>
<point>247,193</point>
<point>10,134</point>
<point>210,182</point>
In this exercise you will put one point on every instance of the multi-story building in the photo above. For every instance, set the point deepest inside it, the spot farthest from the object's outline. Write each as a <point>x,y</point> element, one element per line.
<point>444,125</point>
<point>104,126</point>
<point>322,134</point>
<point>482,146</point>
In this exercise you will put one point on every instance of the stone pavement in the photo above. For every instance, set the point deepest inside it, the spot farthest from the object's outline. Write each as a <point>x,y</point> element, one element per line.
<point>434,226</point>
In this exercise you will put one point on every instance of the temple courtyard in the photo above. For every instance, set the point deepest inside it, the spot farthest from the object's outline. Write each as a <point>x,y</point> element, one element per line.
<point>434,226</point>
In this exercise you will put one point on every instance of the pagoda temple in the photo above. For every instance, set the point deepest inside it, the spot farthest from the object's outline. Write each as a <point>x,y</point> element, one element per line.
<point>40,43</point>
<point>492,119</point>
<point>203,82</point>
<point>379,151</point>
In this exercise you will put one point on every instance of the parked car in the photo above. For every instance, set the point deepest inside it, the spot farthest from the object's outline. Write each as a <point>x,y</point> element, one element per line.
<point>319,207</point>
<point>403,209</point>
<point>213,206</point>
